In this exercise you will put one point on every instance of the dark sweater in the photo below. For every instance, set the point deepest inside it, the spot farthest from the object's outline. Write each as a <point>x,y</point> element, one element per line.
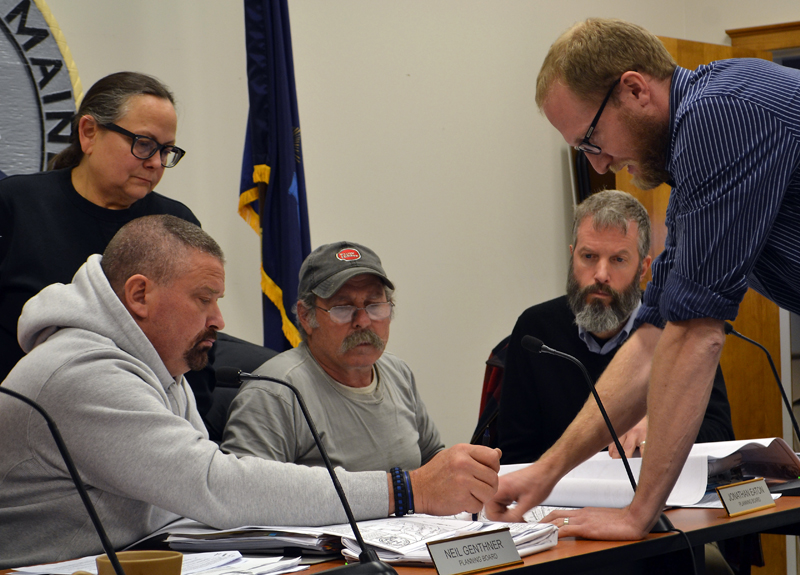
<point>47,230</point>
<point>542,394</point>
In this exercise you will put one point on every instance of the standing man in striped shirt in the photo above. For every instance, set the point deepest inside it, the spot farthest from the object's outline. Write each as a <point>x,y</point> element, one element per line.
<point>726,137</point>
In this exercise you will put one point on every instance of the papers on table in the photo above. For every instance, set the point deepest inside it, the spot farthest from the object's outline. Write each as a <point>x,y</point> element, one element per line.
<point>195,564</point>
<point>397,539</point>
<point>188,535</point>
<point>404,540</point>
<point>602,482</point>
<point>257,566</point>
<point>404,537</point>
<point>771,457</point>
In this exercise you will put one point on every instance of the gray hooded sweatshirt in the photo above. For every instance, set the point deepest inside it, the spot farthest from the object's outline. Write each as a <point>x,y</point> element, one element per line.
<point>136,439</point>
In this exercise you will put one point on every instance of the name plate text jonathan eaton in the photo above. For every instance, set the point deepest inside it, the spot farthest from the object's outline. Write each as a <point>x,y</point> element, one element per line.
<point>745,497</point>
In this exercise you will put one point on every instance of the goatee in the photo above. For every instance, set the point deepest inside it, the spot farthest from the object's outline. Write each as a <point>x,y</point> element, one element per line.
<point>196,357</point>
<point>597,316</point>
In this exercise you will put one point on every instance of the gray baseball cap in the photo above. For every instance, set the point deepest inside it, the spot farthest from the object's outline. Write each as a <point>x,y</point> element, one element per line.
<point>328,268</point>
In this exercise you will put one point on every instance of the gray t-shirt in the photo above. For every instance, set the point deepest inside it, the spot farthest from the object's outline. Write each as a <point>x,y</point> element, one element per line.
<point>383,428</point>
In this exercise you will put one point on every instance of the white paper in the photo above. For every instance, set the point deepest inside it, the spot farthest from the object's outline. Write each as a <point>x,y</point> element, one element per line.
<point>602,481</point>
<point>258,566</point>
<point>192,564</point>
<point>528,537</point>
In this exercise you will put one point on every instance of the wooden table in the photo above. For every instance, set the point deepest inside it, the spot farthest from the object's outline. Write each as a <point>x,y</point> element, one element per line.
<point>656,554</point>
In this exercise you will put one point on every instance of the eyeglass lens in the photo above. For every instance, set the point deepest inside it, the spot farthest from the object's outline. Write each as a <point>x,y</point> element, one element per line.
<point>144,148</point>
<point>345,313</point>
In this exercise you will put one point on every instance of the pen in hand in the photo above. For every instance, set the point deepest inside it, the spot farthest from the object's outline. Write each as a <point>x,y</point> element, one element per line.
<point>486,440</point>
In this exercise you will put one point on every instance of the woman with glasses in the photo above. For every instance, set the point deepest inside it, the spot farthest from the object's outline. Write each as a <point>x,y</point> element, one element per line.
<point>123,137</point>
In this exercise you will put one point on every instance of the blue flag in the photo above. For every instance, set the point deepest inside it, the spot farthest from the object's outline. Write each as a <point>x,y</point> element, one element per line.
<point>272,195</point>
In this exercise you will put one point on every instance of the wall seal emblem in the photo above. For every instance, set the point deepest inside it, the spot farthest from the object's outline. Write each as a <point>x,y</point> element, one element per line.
<point>39,89</point>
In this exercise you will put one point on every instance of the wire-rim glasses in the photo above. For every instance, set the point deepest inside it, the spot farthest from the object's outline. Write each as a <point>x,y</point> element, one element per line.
<point>586,146</point>
<point>345,313</point>
<point>145,147</point>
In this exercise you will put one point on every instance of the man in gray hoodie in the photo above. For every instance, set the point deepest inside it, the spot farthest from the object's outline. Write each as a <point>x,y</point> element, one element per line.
<point>106,358</point>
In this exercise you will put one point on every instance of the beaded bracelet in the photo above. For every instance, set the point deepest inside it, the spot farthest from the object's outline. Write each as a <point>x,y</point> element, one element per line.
<point>410,493</point>
<point>400,493</point>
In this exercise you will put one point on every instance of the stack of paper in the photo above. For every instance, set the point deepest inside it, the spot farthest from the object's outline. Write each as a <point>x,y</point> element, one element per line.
<point>188,535</point>
<point>404,540</point>
<point>257,566</point>
<point>397,539</point>
<point>603,482</point>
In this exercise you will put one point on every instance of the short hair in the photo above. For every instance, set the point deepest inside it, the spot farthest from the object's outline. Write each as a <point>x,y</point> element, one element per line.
<point>590,56</point>
<point>309,301</point>
<point>613,209</point>
<point>156,247</point>
<point>107,101</point>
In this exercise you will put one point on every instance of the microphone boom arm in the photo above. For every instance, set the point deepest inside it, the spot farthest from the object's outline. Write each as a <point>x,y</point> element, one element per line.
<point>368,558</point>
<point>599,403</point>
<point>730,330</point>
<point>76,478</point>
<point>535,345</point>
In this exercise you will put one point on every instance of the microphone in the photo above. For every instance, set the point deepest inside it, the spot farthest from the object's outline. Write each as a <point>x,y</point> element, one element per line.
<point>368,564</point>
<point>791,487</point>
<point>76,479</point>
<point>535,345</point>
<point>729,330</point>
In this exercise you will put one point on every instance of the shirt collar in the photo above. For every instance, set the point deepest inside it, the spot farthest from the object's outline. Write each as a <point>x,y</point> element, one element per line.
<point>612,343</point>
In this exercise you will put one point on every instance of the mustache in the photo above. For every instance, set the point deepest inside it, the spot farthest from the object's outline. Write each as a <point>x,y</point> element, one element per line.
<point>207,334</point>
<point>362,336</point>
<point>599,288</point>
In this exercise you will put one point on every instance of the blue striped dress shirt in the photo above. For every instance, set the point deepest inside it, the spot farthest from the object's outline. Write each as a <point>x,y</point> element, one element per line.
<point>733,217</point>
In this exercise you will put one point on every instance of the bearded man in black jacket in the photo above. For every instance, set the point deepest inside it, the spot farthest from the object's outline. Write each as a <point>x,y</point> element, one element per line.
<point>541,393</point>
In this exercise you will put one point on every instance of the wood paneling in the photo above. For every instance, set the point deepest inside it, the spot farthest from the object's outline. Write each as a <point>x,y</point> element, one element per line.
<point>690,54</point>
<point>774,37</point>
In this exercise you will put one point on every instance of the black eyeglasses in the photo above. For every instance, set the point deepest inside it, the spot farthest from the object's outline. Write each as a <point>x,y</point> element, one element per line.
<point>345,313</point>
<point>586,146</point>
<point>144,147</point>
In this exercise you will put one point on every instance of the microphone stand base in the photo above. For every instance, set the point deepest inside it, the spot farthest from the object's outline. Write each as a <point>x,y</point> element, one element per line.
<point>663,525</point>
<point>791,487</point>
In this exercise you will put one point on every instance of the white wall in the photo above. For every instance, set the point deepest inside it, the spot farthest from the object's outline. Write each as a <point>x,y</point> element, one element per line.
<point>421,140</point>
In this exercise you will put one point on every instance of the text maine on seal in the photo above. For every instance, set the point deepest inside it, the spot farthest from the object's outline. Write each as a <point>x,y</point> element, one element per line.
<point>36,96</point>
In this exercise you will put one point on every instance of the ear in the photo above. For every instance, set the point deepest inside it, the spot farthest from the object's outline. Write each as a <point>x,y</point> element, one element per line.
<point>571,250</point>
<point>135,296</point>
<point>645,267</point>
<point>635,89</point>
<point>87,133</point>
<point>302,315</point>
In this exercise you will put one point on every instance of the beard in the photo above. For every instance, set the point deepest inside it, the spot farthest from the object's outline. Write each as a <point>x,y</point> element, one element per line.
<point>653,137</point>
<point>595,315</point>
<point>196,357</point>
<point>362,336</point>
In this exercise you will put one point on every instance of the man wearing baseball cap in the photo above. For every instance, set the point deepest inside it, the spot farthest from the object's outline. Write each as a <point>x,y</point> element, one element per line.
<point>363,400</point>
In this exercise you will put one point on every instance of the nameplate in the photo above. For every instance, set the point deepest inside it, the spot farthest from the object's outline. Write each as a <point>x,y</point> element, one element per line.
<point>745,497</point>
<point>473,553</point>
